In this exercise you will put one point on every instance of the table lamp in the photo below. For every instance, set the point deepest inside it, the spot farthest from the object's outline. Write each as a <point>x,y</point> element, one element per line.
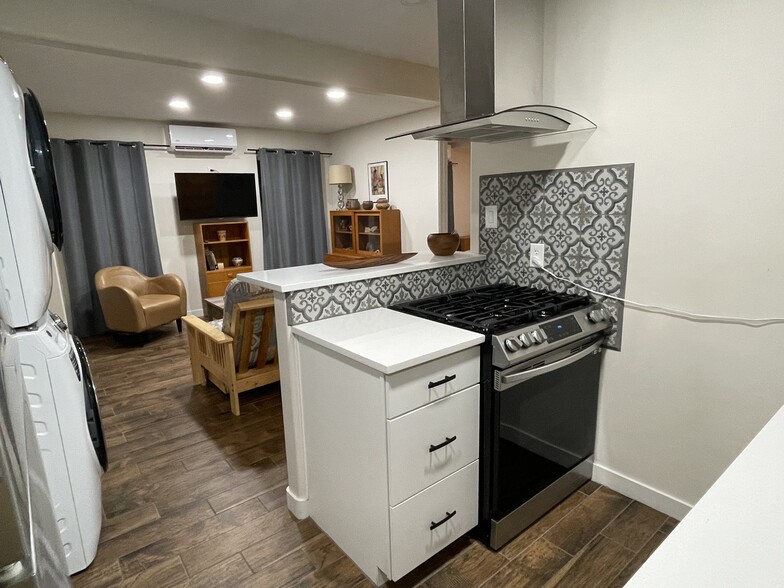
<point>337,176</point>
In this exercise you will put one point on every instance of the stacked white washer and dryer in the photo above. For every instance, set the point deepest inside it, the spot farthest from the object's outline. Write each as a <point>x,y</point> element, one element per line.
<point>56,375</point>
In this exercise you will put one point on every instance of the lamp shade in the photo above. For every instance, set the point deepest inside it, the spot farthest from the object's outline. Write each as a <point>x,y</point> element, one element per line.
<point>339,174</point>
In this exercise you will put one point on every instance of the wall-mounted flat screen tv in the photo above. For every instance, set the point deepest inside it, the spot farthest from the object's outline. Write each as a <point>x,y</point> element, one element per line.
<point>215,195</point>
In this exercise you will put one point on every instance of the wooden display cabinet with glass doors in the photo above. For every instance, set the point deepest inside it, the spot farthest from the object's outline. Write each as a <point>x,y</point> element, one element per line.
<point>361,233</point>
<point>341,224</point>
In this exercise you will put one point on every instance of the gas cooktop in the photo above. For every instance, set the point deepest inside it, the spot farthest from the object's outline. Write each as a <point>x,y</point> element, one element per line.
<point>494,309</point>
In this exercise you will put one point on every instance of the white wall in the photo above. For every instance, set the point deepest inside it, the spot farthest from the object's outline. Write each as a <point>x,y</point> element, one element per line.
<point>175,238</point>
<point>691,92</point>
<point>59,301</point>
<point>412,171</point>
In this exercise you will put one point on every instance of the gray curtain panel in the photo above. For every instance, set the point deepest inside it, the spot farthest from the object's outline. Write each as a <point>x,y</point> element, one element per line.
<point>292,207</point>
<point>107,219</point>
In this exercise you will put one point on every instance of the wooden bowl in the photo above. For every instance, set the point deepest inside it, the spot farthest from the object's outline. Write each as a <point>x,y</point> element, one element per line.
<point>443,243</point>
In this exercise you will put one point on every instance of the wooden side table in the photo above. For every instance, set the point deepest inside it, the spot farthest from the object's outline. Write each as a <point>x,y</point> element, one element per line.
<point>214,307</point>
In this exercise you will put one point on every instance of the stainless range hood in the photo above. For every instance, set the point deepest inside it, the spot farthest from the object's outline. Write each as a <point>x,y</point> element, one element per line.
<point>490,68</point>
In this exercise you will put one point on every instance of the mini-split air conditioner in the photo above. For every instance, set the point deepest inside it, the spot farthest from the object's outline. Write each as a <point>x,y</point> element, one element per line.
<point>206,140</point>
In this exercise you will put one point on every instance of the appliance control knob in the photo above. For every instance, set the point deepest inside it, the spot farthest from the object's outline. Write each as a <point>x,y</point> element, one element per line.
<point>512,344</point>
<point>542,334</point>
<point>525,340</point>
<point>536,337</point>
<point>596,315</point>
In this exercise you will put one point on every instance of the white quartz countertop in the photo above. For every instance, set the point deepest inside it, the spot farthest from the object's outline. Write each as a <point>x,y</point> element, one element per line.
<point>734,535</point>
<point>302,277</point>
<point>386,340</point>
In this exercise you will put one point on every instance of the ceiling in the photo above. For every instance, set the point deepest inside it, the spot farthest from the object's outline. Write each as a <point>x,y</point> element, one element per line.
<point>390,28</point>
<point>131,59</point>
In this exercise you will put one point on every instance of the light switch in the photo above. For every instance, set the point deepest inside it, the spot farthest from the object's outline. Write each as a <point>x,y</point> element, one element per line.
<point>491,217</point>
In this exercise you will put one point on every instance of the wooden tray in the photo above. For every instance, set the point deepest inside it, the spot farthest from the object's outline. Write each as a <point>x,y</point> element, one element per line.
<point>356,262</point>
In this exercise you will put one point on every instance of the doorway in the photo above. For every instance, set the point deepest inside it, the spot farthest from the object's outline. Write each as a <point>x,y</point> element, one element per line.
<point>457,196</point>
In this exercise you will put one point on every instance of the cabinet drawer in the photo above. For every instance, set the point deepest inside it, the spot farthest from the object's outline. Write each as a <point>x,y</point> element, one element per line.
<point>216,288</point>
<point>412,539</point>
<point>225,275</point>
<point>412,464</point>
<point>430,381</point>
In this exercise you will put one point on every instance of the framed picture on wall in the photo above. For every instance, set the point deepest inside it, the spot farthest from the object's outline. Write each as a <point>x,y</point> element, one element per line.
<point>378,180</point>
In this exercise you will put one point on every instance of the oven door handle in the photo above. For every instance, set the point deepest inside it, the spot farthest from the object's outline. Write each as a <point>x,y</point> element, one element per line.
<point>510,378</point>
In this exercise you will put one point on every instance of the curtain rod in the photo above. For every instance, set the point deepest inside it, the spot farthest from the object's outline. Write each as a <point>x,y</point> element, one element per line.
<point>254,151</point>
<point>246,152</point>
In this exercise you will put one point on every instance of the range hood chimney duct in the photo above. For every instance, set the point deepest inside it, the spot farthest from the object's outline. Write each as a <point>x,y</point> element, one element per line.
<point>490,61</point>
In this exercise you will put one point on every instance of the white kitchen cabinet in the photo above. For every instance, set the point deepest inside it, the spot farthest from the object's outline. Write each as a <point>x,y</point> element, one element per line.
<point>415,458</point>
<point>412,538</point>
<point>390,455</point>
<point>419,385</point>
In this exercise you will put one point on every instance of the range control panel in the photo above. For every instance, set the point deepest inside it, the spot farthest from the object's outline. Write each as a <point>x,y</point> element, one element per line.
<point>562,328</point>
<point>526,342</point>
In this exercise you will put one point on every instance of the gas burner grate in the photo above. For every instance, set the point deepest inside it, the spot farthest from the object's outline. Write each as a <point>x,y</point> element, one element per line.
<point>494,309</point>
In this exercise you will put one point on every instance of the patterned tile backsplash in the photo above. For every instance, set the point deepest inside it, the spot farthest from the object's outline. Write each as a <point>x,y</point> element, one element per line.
<point>314,304</point>
<point>580,214</point>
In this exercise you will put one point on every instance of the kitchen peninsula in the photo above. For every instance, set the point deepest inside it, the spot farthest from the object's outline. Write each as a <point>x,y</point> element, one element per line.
<point>391,423</point>
<point>310,293</point>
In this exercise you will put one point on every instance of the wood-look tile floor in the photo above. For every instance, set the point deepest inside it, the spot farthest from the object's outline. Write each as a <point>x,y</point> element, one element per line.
<point>196,497</point>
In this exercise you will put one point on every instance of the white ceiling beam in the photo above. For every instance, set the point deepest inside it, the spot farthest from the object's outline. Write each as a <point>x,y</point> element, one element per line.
<point>150,34</point>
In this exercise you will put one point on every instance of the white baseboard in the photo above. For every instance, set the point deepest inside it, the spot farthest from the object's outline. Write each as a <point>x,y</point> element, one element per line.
<point>297,506</point>
<point>640,492</point>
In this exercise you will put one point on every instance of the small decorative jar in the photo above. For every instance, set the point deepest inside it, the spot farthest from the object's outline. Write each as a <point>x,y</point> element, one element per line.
<point>237,261</point>
<point>382,204</point>
<point>367,205</point>
<point>352,204</point>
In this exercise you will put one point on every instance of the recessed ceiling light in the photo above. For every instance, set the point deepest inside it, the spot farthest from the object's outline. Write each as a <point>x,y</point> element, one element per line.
<point>213,78</point>
<point>179,104</point>
<point>284,113</point>
<point>336,94</point>
<point>412,2</point>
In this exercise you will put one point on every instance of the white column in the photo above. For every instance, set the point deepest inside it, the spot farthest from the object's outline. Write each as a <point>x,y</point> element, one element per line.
<point>291,398</point>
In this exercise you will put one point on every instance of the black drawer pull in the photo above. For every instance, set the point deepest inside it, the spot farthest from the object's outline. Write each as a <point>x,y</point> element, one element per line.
<point>444,381</point>
<point>448,516</point>
<point>447,441</point>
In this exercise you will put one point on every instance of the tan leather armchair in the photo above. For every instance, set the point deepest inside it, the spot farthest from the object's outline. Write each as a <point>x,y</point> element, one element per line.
<point>134,303</point>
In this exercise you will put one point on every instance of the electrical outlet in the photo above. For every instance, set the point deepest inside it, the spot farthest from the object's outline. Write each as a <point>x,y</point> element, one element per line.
<point>491,217</point>
<point>537,255</point>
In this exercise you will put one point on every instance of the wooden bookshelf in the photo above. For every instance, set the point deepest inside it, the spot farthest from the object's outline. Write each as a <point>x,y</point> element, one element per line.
<point>213,282</point>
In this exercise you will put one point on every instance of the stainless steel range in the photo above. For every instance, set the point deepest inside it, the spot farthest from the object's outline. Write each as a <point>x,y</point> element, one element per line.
<point>540,383</point>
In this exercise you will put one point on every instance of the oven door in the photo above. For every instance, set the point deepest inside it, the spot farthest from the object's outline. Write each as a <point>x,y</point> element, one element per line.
<point>544,435</point>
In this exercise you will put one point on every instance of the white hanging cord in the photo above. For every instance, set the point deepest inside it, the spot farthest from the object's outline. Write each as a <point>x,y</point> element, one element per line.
<point>750,321</point>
